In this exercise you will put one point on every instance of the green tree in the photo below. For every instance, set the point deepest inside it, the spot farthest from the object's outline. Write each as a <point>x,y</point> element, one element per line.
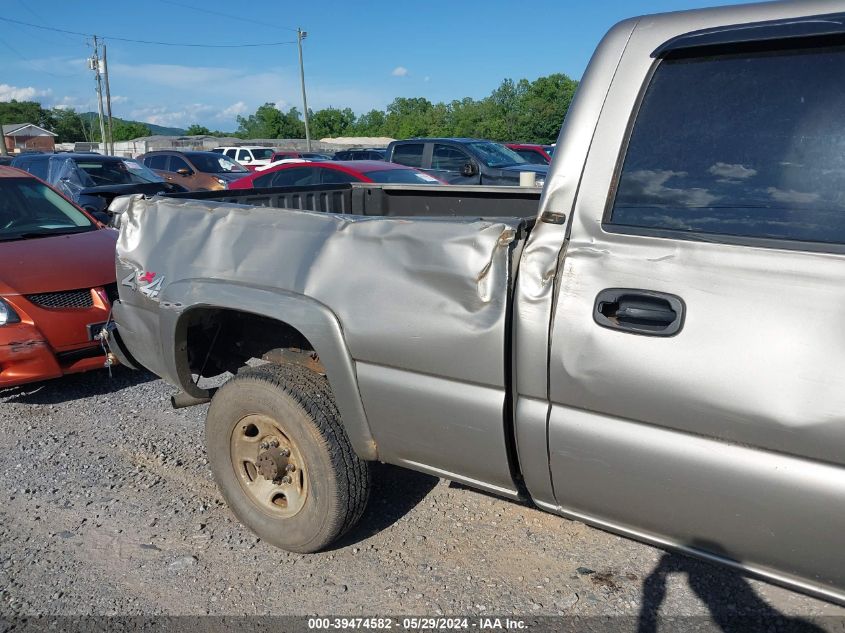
<point>408,117</point>
<point>25,112</point>
<point>331,122</point>
<point>369,124</point>
<point>504,111</point>
<point>528,111</point>
<point>270,122</point>
<point>466,116</point>
<point>197,130</point>
<point>68,125</point>
<point>129,130</point>
<point>543,107</point>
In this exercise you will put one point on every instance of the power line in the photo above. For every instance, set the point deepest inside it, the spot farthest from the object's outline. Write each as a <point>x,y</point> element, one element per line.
<point>226,15</point>
<point>31,63</point>
<point>132,41</point>
<point>37,16</point>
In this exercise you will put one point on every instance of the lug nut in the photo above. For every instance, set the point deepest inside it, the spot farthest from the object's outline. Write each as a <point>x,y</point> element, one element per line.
<point>264,446</point>
<point>286,479</point>
<point>290,468</point>
<point>274,443</point>
<point>285,452</point>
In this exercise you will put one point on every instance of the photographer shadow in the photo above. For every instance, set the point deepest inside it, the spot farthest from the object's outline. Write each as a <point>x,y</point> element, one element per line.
<point>733,604</point>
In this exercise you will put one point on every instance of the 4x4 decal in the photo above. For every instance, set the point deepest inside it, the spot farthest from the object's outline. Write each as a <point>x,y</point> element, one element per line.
<point>148,282</point>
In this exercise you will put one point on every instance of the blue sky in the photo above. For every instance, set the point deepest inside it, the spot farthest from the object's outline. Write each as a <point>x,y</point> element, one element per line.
<point>357,54</point>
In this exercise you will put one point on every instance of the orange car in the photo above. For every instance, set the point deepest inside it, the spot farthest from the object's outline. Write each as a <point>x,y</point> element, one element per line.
<point>57,278</point>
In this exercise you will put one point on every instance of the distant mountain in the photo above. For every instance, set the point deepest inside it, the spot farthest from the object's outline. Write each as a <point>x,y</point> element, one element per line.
<point>154,129</point>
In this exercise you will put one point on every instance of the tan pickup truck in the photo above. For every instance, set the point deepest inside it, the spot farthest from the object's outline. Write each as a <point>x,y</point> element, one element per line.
<point>659,352</point>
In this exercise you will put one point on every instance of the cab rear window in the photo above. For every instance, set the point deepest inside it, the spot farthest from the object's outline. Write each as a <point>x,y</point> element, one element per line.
<point>740,144</point>
<point>410,154</point>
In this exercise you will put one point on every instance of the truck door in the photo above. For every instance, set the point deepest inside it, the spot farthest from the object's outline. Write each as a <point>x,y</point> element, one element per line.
<point>697,361</point>
<point>449,163</point>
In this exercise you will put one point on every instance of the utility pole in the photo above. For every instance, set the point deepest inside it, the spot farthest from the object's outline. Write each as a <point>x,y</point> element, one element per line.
<point>301,35</point>
<point>3,150</point>
<point>108,99</point>
<point>94,64</point>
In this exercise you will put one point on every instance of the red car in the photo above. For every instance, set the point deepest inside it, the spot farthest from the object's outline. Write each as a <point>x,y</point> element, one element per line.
<point>57,279</point>
<point>333,173</point>
<point>536,154</point>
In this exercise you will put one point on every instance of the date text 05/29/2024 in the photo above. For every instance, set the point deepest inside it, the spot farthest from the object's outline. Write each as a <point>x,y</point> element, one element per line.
<point>417,623</point>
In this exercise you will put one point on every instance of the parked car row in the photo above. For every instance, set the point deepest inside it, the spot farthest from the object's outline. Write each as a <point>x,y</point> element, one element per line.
<point>332,173</point>
<point>92,181</point>
<point>196,171</point>
<point>425,161</point>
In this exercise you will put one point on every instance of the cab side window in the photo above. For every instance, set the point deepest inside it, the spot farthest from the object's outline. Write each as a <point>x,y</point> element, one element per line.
<point>448,158</point>
<point>745,144</point>
<point>156,161</point>
<point>177,163</point>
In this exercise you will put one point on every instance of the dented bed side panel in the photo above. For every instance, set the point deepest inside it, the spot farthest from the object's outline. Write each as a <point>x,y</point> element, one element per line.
<point>424,297</point>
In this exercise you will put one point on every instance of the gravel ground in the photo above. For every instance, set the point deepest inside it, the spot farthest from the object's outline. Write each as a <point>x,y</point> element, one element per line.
<point>107,506</point>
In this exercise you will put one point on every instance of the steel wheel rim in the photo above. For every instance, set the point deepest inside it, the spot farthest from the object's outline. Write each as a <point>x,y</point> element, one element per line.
<point>253,455</point>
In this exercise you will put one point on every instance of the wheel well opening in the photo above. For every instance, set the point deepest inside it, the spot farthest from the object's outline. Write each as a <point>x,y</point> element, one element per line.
<point>214,341</point>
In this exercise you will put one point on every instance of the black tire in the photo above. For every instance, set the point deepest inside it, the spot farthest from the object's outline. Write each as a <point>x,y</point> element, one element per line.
<point>300,401</point>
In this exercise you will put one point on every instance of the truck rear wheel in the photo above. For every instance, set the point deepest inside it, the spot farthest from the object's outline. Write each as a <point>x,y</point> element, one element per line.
<point>282,459</point>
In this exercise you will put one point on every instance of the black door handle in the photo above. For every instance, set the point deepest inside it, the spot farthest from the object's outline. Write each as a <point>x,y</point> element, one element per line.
<point>639,311</point>
<point>650,312</point>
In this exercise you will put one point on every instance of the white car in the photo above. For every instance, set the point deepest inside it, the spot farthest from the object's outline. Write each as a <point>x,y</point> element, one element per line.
<point>250,156</point>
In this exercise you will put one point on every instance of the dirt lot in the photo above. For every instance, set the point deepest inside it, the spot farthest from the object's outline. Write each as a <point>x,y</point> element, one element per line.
<point>107,506</point>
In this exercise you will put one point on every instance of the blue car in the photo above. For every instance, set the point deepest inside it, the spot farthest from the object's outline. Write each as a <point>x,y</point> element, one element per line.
<point>92,181</point>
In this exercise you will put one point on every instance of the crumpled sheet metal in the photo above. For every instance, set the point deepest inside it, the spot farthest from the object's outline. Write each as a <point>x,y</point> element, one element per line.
<point>119,205</point>
<point>67,180</point>
<point>425,295</point>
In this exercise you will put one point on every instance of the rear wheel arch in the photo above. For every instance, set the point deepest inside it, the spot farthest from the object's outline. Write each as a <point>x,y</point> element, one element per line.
<point>279,326</point>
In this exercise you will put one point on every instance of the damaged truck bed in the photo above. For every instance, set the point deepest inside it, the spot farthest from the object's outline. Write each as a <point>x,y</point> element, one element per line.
<point>657,354</point>
<point>444,285</point>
